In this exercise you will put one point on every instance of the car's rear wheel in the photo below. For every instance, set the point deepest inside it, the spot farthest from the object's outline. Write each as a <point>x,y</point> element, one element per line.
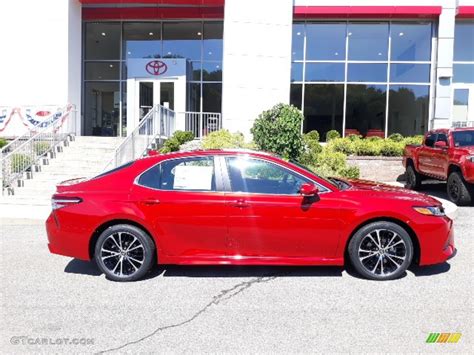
<point>381,251</point>
<point>413,178</point>
<point>459,191</point>
<point>124,252</point>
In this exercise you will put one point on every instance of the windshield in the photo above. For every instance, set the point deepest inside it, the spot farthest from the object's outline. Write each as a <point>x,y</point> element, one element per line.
<point>301,166</point>
<point>463,138</point>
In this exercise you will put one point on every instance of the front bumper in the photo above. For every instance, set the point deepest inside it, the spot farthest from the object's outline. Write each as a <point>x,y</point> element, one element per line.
<point>437,245</point>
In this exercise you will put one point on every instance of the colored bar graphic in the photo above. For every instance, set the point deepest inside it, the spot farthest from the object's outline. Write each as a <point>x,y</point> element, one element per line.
<point>443,337</point>
<point>432,337</point>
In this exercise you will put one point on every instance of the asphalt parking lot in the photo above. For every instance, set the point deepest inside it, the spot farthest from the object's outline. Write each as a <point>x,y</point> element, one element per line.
<point>47,299</point>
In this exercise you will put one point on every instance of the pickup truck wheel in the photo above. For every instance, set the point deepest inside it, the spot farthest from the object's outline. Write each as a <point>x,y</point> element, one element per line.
<point>413,178</point>
<point>459,191</point>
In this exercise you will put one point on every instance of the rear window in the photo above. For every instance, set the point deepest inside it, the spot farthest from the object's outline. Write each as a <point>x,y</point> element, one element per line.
<point>430,140</point>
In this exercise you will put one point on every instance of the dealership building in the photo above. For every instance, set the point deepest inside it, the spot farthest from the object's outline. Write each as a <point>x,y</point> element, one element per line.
<point>357,66</point>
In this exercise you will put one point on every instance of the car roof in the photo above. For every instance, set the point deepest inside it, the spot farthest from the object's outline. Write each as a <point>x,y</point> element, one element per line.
<point>201,152</point>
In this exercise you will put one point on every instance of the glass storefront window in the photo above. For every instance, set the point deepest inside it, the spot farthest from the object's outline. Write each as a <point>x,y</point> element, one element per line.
<point>141,40</point>
<point>410,73</point>
<point>105,86</point>
<point>365,110</point>
<point>372,73</point>
<point>325,41</point>
<point>411,42</point>
<point>102,71</point>
<point>463,73</point>
<point>182,40</point>
<point>211,97</point>
<point>213,41</point>
<point>194,97</point>
<point>212,71</point>
<point>101,107</point>
<point>368,75</point>
<point>408,109</point>
<point>368,41</point>
<point>464,41</point>
<point>324,72</point>
<point>296,92</point>
<point>297,51</point>
<point>102,41</point>
<point>296,71</point>
<point>323,107</point>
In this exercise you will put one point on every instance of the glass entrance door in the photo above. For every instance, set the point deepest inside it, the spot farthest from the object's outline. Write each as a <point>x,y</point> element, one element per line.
<point>463,104</point>
<point>151,93</point>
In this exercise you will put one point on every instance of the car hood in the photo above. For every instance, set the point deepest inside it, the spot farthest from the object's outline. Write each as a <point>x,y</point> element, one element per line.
<point>395,192</point>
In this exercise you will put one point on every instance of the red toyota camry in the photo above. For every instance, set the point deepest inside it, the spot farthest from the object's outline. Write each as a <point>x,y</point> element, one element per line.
<point>242,208</point>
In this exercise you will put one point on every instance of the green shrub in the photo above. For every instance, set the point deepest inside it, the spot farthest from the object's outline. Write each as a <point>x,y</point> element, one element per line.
<point>390,148</point>
<point>224,139</point>
<point>342,145</point>
<point>413,140</point>
<point>353,137</point>
<point>330,163</point>
<point>310,153</point>
<point>351,172</point>
<point>170,145</point>
<point>20,162</point>
<point>367,148</point>
<point>41,147</point>
<point>396,137</point>
<point>332,134</point>
<point>183,136</point>
<point>278,130</point>
<point>374,139</point>
<point>3,142</point>
<point>312,136</point>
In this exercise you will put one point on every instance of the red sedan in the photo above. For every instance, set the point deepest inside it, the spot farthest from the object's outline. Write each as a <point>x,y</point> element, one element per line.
<point>243,208</point>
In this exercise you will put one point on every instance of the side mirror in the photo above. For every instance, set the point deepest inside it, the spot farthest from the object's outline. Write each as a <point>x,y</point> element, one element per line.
<point>308,190</point>
<point>440,144</point>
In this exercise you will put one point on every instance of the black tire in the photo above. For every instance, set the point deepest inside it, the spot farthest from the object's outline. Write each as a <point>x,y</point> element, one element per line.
<point>413,178</point>
<point>459,191</point>
<point>364,252</point>
<point>124,252</point>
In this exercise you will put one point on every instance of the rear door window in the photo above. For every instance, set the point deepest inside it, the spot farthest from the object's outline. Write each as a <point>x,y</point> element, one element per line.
<point>187,174</point>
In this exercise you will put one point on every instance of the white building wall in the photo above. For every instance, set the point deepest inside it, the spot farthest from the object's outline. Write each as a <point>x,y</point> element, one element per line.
<point>257,62</point>
<point>40,43</point>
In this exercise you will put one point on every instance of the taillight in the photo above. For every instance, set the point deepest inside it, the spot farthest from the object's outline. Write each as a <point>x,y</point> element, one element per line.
<point>58,202</point>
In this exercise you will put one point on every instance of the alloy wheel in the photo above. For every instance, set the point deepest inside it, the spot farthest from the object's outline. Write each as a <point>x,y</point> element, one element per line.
<point>382,252</point>
<point>122,254</point>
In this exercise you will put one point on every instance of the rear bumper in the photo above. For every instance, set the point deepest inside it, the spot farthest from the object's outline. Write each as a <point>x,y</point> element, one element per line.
<point>70,242</point>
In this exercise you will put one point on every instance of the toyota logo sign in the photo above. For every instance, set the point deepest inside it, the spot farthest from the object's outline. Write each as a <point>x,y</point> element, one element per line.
<point>156,67</point>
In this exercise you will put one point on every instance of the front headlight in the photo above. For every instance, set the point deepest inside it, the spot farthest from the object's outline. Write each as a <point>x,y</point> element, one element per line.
<point>470,158</point>
<point>430,210</point>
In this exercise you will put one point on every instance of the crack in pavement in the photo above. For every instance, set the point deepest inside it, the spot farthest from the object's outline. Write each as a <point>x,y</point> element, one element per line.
<point>223,296</point>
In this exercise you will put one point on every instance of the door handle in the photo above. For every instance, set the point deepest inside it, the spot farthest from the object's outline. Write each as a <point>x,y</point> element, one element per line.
<point>150,202</point>
<point>241,203</point>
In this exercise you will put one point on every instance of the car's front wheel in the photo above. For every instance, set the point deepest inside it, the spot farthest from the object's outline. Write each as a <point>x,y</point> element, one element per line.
<point>124,252</point>
<point>381,251</point>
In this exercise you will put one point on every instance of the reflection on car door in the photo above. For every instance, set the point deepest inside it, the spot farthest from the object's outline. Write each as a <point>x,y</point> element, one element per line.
<point>425,155</point>
<point>440,158</point>
<point>181,200</point>
<point>268,218</point>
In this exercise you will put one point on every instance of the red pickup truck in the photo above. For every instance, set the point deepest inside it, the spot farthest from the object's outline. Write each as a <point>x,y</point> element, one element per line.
<point>448,155</point>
